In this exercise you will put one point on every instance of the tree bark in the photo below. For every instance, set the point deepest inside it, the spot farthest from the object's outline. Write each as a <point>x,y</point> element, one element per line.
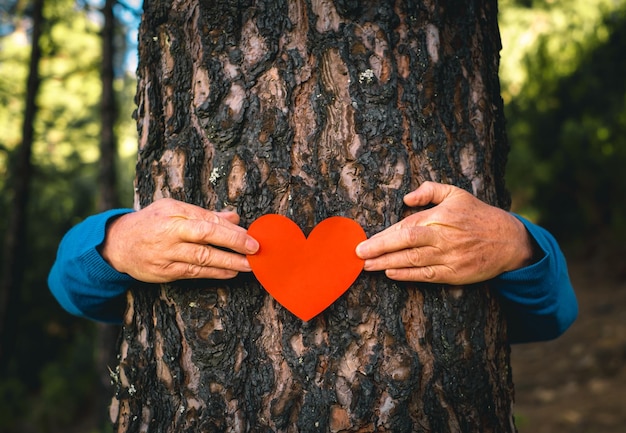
<point>312,109</point>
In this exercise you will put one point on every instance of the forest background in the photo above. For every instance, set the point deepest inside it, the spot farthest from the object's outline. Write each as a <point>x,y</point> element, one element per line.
<point>563,75</point>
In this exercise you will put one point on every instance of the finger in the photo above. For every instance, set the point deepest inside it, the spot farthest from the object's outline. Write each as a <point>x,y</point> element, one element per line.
<point>422,218</point>
<point>231,217</point>
<point>190,211</point>
<point>408,258</point>
<point>226,218</point>
<point>426,274</point>
<point>186,271</point>
<point>427,193</point>
<point>393,240</point>
<point>216,258</point>
<point>222,233</point>
<point>413,220</point>
<point>209,257</point>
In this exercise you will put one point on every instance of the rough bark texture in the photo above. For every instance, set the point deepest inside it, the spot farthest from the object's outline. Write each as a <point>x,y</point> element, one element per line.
<point>314,108</point>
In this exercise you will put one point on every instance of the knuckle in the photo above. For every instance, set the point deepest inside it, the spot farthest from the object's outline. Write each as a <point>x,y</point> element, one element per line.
<point>206,229</point>
<point>213,218</point>
<point>193,271</point>
<point>411,235</point>
<point>204,256</point>
<point>429,273</point>
<point>175,271</point>
<point>413,257</point>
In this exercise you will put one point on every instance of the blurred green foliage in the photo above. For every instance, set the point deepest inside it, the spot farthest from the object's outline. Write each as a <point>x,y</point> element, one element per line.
<point>565,94</point>
<point>563,69</point>
<point>50,382</point>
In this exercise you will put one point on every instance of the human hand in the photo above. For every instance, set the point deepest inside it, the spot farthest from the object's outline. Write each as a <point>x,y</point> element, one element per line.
<point>461,240</point>
<point>171,240</point>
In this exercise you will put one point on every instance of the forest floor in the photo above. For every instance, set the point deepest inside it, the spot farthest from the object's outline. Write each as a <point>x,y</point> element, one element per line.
<point>577,383</point>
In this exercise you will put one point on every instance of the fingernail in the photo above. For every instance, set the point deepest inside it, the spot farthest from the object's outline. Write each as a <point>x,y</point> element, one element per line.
<point>393,274</point>
<point>361,250</point>
<point>252,245</point>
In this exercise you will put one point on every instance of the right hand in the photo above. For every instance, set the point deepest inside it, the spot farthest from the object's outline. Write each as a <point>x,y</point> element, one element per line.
<point>171,240</point>
<point>461,240</point>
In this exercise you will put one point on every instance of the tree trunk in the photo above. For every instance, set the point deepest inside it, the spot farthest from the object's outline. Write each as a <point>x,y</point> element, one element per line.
<point>312,109</point>
<point>14,260</point>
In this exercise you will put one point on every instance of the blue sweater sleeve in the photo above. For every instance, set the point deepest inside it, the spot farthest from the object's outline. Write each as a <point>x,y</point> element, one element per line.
<point>81,280</point>
<point>538,300</point>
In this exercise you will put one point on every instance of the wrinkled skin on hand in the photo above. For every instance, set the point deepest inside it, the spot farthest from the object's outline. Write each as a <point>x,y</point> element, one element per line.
<point>461,240</point>
<point>171,240</point>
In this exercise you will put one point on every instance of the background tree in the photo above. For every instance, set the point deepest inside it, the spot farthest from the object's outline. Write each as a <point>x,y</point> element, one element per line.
<point>569,126</point>
<point>314,109</point>
<point>50,383</point>
<point>13,264</point>
<point>107,173</point>
<point>108,196</point>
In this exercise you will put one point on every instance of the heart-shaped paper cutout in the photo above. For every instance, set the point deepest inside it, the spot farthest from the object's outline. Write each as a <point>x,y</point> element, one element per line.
<point>306,275</point>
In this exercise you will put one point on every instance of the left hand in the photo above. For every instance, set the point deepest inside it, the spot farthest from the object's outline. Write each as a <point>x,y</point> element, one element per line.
<point>171,240</point>
<point>461,240</point>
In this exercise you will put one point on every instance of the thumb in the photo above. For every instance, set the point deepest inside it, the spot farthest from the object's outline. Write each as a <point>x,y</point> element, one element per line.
<point>428,193</point>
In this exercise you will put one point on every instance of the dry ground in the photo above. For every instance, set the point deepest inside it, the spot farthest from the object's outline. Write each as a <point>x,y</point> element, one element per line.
<point>577,383</point>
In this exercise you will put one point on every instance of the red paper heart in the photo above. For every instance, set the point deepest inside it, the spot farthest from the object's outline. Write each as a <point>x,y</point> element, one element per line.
<point>306,275</point>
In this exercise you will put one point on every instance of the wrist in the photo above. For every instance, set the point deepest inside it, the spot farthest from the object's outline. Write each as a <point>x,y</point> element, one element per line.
<point>527,250</point>
<point>109,249</point>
